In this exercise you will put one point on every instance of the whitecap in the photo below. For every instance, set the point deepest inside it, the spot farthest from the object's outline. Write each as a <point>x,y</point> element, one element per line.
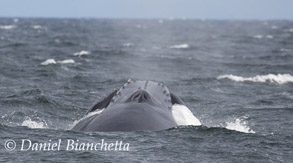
<point>180,46</point>
<point>128,44</point>
<point>7,27</point>
<point>258,36</point>
<point>156,47</point>
<point>15,20</point>
<point>81,53</point>
<point>37,27</point>
<point>140,26</point>
<point>161,21</point>
<point>271,78</point>
<point>34,124</point>
<point>274,27</point>
<point>239,125</point>
<point>269,36</point>
<point>67,61</point>
<point>48,62</point>
<point>57,41</point>
<point>183,116</point>
<point>284,50</point>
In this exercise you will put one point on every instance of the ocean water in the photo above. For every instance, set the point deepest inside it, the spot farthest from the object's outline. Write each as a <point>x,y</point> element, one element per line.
<point>236,77</point>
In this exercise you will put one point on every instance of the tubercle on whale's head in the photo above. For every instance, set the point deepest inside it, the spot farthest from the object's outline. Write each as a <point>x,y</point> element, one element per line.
<point>141,96</point>
<point>140,91</point>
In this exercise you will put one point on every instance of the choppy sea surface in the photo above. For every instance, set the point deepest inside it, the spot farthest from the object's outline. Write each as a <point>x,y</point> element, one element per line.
<point>235,76</point>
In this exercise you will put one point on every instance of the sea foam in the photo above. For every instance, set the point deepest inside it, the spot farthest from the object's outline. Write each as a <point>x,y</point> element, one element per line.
<point>7,26</point>
<point>15,20</point>
<point>37,27</point>
<point>262,36</point>
<point>81,53</point>
<point>180,46</point>
<point>67,61</point>
<point>128,44</point>
<point>53,61</point>
<point>271,78</point>
<point>183,116</point>
<point>290,30</point>
<point>48,62</point>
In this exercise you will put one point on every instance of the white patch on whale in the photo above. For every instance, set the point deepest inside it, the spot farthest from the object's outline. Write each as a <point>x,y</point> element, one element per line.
<point>87,116</point>
<point>183,116</point>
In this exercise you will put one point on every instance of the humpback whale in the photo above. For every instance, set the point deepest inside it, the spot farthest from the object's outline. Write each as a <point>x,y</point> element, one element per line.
<point>137,105</point>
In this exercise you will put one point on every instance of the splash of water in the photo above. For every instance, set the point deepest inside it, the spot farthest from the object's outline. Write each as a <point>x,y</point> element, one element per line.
<point>239,125</point>
<point>28,122</point>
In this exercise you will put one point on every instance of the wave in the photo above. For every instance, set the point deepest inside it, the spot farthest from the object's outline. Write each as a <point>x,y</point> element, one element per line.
<point>34,124</point>
<point>271,78</point>
<point>37,27</point>
<point>274,27</point>
<point>269,36</point>
<point>128,44</point>
<point>160,21</point>
<point>289,30</point>
<point>180,46</point>
<point>262,36</point>
<point>49,62</point>
<point>284,50</point>
<point>52,61</point>
<point>15,20</point>
<point>81,53</point>
<point>67,61</point>
<point>239,125</point>
<point>7,26</point>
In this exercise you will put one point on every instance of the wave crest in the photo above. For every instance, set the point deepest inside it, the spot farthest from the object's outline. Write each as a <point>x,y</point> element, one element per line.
<point>48,62</point>
<point>7,27</point>
<point>181,46</point>
<point>81,53</point>
<point>271,78</point>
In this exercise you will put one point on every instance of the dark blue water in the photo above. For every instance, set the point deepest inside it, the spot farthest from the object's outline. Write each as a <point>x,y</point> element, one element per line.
<point>235,76</point>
